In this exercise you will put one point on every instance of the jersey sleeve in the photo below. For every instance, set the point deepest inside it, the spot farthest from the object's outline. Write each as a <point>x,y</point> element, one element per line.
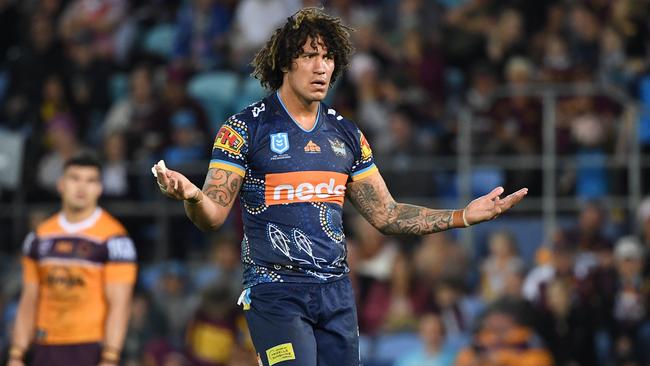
<point>364,163</point>
<point>121,265</point>
<point>30,267</point>
<point>230,149</point>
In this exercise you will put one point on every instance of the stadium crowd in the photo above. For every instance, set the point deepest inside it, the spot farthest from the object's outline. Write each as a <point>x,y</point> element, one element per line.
<point>138,81</point>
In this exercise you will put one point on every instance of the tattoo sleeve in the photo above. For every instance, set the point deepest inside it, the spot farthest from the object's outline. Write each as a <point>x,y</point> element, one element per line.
<point>371,197</point>
<point>222,186</point>
<point>220,189</point>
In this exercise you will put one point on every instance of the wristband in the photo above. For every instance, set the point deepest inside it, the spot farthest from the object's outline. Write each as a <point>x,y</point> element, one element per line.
<point>458,219</point>
<point>465,218</point>
<point>110,355</point>
<point>16,353</point>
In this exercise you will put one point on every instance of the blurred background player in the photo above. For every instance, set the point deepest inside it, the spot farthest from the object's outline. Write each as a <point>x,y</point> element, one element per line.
<point>78,275</point>
<point>292,159</point>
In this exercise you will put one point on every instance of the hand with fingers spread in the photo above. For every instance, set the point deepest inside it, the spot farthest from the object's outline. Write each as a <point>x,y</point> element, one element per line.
<point>491,205</point>
<point>175,185</point>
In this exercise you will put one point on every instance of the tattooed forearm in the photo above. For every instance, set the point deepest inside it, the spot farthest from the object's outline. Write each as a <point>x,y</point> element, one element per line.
<point>372,199</point>
<point>220,189</point>
<point>409,219</point>
<point>221,186</point>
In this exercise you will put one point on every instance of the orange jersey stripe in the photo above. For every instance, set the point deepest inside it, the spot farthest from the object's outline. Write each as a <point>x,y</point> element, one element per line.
<point>306,186</point>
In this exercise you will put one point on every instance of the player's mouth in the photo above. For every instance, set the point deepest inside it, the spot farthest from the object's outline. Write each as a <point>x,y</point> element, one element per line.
<point>319,84</point>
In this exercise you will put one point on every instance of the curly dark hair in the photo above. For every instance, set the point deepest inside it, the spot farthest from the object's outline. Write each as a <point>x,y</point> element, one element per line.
<point>287,41</point>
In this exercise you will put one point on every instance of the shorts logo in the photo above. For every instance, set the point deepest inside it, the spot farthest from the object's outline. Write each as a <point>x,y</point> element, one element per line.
<point>306,186</point>
<point>279,353</point>
<point>279,142</point>
<point>229,140</point>
<point>338,147</point>
<point>366,152</point>
<point>311,147</point>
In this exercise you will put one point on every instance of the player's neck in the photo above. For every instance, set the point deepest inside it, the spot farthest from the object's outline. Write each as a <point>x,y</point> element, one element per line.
<point>303,111</point>
<point>74,215</point>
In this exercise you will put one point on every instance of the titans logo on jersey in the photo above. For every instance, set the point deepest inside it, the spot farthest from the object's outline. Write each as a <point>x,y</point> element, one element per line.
<point>293,189</point>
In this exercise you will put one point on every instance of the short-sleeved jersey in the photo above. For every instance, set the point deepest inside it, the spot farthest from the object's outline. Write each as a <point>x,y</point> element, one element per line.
<point>71,263</point>
<point>293,189</point>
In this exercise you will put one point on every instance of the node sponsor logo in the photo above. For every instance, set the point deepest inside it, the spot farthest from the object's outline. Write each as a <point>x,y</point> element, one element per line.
<point>307,186</point>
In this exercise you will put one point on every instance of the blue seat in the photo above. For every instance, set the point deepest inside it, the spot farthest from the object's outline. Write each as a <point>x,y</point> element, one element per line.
<point>159,40</point>
<point>119,86</point>
<point>390,347</point>
<point>216,91</point>
<point>250,92</point>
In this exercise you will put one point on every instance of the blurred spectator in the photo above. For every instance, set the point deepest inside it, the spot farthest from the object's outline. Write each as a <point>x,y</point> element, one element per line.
<point>501,341</point>
<point>63,144</point>
<point>374,259</point>
<point>30,63</point>
<point>148,324</point>
<point>176,99</point>
<point>434,352</point>
<point>174,296</point>
<point>9,26</point>
<point>87,76</point>
<point>201,34</point>
<point>266,16</point>
<point>517,124</point>
<point>212,332</point>
<point>557,65</point>
<point>584,33</point>
<point>103,22</point>
<point>506,39</point>
<point>501,263</point>
<point>566,327</point>
<point>561,267</point>
<point>134,115</point>
<point>395,305</point>
<point>115,174</point>
<point>643,230</point>
<point>458,310</point>
<point>438,256</point>
<point>187,145</point>
<point>221,265</point>
<point>631,302</point>
<point>589,237</point>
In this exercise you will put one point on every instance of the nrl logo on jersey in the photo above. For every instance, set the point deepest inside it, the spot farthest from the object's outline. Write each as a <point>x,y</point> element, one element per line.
<point>279,142</point>
<point>338,147</point>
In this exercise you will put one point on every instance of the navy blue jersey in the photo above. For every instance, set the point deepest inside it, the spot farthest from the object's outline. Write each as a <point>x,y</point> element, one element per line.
<point>293,189</point>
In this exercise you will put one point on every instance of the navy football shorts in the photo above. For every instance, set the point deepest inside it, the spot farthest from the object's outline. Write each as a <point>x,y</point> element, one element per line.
<point>304,324</point>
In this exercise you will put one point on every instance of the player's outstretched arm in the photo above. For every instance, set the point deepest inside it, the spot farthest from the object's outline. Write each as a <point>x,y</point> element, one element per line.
<point>373,200</point>
<point>207,208</point>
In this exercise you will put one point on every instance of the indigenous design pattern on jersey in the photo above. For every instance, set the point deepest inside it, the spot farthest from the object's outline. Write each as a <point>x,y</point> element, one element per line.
<point>293,189</point>
<point>71,263</point>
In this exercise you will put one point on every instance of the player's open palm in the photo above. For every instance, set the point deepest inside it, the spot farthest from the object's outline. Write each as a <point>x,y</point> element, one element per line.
<point>492,205</point>
<point>173,184</point>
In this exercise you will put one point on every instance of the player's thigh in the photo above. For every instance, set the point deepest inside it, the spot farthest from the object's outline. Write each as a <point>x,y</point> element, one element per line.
<point>337,337</point>
<point>65,355</point>
<point>279,328</point>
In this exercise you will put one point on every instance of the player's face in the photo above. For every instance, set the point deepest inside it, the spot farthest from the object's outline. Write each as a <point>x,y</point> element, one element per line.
<point>310,73</point>
<point>80,187</point>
